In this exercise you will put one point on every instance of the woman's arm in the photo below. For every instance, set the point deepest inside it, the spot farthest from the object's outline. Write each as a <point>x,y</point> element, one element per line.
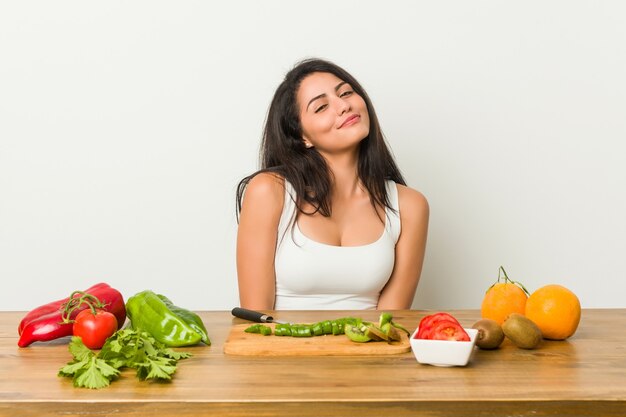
<point>400,289</point>
<point>256,241</point>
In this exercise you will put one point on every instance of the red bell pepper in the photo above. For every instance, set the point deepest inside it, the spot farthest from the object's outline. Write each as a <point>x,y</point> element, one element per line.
<point>49,308</point>
<point>47,322</point>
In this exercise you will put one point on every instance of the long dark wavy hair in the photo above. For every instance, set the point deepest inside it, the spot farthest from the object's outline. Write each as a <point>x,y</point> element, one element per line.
<point>284,153</point>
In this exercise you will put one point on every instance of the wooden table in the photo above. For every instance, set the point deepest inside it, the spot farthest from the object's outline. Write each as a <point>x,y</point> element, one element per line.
<point>585,375</point>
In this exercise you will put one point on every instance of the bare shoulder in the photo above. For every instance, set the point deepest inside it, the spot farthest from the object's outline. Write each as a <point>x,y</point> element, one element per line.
<point>265,191</point>
<point>413,204</point>
<point>266,182</point>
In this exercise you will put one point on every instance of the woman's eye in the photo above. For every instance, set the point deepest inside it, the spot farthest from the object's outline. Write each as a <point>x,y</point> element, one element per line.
<point>320,108</point>
<point>346,93</point>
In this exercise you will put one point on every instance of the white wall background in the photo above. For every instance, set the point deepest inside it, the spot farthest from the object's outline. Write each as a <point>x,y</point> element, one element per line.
<point>125,126</point>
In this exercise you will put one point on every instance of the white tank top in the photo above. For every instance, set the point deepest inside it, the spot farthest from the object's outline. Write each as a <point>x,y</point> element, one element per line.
<point>316,276</point>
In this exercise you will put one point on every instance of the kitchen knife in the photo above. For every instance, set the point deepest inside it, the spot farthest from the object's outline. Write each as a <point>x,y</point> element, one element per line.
<point>256,316</point>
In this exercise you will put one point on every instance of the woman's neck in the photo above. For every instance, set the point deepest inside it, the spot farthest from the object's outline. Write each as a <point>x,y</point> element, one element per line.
<point>345,175</point>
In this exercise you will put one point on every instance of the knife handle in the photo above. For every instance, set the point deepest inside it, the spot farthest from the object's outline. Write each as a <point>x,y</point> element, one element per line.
<point>256,316</point>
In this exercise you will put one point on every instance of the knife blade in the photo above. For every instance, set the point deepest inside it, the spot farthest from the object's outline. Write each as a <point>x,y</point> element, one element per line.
<point>256,316</point>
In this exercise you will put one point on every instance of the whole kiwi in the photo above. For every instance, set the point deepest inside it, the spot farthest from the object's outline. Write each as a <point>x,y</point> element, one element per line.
<point>490,334</point>
<point>522,331</point>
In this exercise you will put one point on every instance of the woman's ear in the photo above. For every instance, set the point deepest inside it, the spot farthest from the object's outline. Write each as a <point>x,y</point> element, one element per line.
<point>307,144</point>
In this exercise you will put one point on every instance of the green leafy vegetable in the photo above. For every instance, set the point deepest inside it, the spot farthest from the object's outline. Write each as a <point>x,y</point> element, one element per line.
<point>126,348</point>
<point>86,369</point>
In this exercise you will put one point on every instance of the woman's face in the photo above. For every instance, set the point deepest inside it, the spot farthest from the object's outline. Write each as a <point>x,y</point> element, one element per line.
<point>334,118</point>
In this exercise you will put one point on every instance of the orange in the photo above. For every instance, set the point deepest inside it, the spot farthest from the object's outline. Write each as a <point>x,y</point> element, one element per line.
<point>555,310</point>
<point>502,299</point>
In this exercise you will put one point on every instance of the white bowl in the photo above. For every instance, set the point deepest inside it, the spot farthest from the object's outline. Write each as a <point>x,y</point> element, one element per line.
<point>443,352</point>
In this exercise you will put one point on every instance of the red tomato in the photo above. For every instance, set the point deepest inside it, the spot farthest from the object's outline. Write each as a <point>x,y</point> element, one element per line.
<point>448,330</point>
<point>427,323</point>
<point>94,329</point>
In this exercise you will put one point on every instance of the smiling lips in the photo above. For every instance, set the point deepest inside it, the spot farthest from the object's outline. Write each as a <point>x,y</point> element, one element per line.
<point>352,119</point>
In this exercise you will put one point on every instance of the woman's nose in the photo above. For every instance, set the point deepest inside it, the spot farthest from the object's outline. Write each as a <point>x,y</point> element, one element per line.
<point>343,106</point>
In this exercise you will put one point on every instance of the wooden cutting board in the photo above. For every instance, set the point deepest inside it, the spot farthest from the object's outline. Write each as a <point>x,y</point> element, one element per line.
<point>254,344</point>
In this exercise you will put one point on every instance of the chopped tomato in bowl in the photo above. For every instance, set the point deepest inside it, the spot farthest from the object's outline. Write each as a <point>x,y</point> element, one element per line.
<point>441,340</point>
<point>441,326</point>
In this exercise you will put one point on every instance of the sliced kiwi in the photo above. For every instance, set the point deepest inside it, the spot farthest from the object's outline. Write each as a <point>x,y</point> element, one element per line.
<point>376,334</point>
<point>384,318</point>
<point>356,333</point>
<point>391,332</point>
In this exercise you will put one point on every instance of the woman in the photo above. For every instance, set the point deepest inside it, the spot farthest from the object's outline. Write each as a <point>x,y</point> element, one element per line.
<point>328,222</point>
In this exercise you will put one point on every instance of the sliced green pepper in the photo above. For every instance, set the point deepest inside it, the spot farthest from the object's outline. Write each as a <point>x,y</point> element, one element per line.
<point>301,330</point>
<point>255,328</point>
<point>327,326</point>
<point>357,329</point>
<point>259,328</point>
<point>317,329</point>
<point>282,330</point>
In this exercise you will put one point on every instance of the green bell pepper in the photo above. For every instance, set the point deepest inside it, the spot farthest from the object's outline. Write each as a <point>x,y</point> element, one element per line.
<point>165,322</point>
<point>191,318</point>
